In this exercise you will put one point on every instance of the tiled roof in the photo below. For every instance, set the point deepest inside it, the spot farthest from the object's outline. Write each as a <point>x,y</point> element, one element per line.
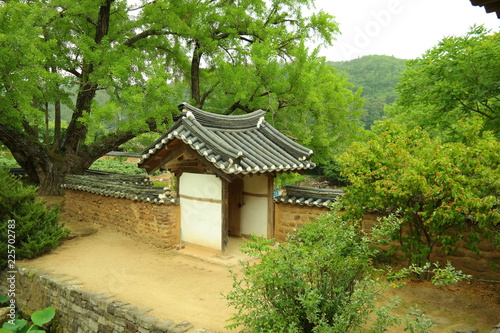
<point>240,144</point>
<point>309,196</point>
<point>124,154</point>
<point>133,187</point>
<point>489,5</point>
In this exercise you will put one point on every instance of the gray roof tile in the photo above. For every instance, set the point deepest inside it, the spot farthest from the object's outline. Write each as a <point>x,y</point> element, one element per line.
<point>120,186</point>
<point>240,144</point>
<point>309,196</point>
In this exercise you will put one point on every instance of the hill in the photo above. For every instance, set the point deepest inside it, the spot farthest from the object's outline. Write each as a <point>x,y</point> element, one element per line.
<point>378,75</point>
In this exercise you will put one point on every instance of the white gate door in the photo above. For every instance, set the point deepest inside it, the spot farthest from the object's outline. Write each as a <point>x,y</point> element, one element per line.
<point>201,209</point>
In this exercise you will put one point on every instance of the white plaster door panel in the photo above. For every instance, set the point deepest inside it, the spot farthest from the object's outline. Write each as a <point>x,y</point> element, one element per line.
<point>201,209</point>
<point>255,205</point>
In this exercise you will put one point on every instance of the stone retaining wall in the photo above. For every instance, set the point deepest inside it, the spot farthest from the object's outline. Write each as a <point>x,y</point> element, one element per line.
<point>291,217</point>
<point>82,311</point>
<point>157,224</point>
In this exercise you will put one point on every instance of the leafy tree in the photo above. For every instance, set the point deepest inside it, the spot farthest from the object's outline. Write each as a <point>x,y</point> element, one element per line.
<point>318,281</point>
<point>236,56</point>
<point>439,190</point>
<point>48,48</point>
<point>317,108</point>
<point>378,76</point>
<point>29,228</point>
<point>457,78</point>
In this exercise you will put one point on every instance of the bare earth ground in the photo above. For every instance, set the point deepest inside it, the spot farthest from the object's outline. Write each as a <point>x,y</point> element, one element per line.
<point>181,287</point>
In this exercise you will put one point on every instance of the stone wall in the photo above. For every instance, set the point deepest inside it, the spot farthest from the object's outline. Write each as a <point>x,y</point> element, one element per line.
<point>290,217</point>
<point>82,311</point>
<point>160,225</point>
<point>157,224</point>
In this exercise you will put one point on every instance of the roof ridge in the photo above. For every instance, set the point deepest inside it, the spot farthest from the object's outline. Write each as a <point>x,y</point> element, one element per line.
<point>222,121</point>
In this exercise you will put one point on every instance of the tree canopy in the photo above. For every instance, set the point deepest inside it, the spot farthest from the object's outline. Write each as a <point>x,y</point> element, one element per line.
<point>224,56</point>
<point>457,78</point>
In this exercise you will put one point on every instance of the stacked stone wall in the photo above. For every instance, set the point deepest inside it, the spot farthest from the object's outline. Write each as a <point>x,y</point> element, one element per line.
<point>82,311</point>
<point>289,218</point>
<point>157,224</point>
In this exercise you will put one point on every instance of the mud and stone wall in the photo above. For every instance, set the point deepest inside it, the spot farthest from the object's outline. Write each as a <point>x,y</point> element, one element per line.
<point>289,218</point>
<point>160,225</point>
<point>157,224</point>
<point>82,311</point>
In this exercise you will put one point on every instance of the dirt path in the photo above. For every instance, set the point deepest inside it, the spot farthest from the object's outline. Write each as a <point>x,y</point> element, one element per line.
<point>179,287</point>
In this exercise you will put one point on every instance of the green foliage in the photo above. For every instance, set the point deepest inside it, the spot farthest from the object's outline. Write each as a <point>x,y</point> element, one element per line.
<point>318,281</point>
<point>286,179</point>
<point>38,318</point>
<point>112,72</point>
<point>115,165</point>
<point>439,276</point>
<point>315,107</point>
<point>139,143</point>
<point>333,171</point>
<point>7,162</point>
<point>36,229</point>
<point>419,324</point>
<point>442,192</point>
<point>378,76</point>
<point>457,78</point>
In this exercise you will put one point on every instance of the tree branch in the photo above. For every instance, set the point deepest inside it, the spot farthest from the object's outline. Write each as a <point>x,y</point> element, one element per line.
<point>74,72</point>
<point>207,93</point>
<point>145,34</point>
<point>109,143</point>
<point>476,110</point>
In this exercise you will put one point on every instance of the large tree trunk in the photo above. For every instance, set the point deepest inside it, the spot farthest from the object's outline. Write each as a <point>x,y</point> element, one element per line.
<point>44,167</point>
<point>48,163</point>
<point>195,74</point>
<point>47,167</point>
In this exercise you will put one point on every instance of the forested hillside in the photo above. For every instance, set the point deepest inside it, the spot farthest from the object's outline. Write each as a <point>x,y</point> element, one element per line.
<point>378,75</point>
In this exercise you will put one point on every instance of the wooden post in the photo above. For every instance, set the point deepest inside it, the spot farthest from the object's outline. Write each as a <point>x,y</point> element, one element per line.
<point>270,205</point>
<point>225,215</point>
<point>235,201</point>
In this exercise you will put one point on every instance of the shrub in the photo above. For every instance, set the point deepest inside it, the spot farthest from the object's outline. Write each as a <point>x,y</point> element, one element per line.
<point>319,281</point>
<point>444,193</point>
<point>7,162</point>
<point>34,227</point>
<point>115,165</point>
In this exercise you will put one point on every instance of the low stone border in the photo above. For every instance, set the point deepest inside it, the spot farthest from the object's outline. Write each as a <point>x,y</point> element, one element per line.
<point>82,311</point>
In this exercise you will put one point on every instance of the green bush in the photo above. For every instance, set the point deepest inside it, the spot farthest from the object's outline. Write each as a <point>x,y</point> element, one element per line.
<point>7,162</point>
<point>444,193</point>
<point>27,225</point>
<point>116,165</point>
<point>320,280</point>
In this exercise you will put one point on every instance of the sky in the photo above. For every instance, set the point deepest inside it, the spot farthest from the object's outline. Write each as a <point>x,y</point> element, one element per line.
<point>401,28</point>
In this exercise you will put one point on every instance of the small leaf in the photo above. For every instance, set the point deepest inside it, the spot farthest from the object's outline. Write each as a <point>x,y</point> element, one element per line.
<point>5,330</point>
<point>4,299</point>
<point>43,316</point>
<point>18,323</point>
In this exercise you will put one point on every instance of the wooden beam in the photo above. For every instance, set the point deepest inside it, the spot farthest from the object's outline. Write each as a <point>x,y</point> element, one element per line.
<point>192,153</point>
